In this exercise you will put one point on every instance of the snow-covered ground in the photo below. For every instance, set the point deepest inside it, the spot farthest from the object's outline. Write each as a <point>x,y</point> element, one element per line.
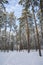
<point>21,58</point>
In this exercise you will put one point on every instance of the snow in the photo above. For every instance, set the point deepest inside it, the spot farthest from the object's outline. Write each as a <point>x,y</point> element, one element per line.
<point>21,58</point>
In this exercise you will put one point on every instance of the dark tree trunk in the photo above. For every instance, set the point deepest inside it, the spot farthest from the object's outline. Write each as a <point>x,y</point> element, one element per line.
<point>27,31</point>
<point>35,40</point>
<point>20,36</point>
<point>41,5</point>
<point>39,47</point>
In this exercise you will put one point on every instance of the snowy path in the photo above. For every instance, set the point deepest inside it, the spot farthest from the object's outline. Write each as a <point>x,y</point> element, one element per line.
<point>21,58</point>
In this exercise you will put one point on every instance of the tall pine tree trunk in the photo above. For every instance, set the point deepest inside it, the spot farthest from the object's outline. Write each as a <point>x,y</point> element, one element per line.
<point>35,39</point>
<point>20,36</point>
<point>39,47</point>
<point>41,6</point>
<point>5,35</point>
<point>27,31</point>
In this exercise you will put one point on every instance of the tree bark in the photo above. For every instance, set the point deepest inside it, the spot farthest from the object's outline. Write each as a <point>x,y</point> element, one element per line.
<point>27,31</point>
<point>39,47</point>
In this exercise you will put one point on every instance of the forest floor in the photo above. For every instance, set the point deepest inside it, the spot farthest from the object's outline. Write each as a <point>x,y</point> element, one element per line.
<point>21,58</point>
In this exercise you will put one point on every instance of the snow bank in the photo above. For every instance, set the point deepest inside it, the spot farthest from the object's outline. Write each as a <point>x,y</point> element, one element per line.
<point>21,58</point>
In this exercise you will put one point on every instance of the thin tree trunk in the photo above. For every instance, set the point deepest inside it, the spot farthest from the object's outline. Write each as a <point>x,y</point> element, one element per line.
<point>41,28</point>
<point>39,47</point>
<point>20,36</point>
<point>27,31</point>
<point>16,40</point>
<point>35,39</point>
<point>41,6</point>
<point>10,39</point>
<point>5,35</point>
<point>37,32</point>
